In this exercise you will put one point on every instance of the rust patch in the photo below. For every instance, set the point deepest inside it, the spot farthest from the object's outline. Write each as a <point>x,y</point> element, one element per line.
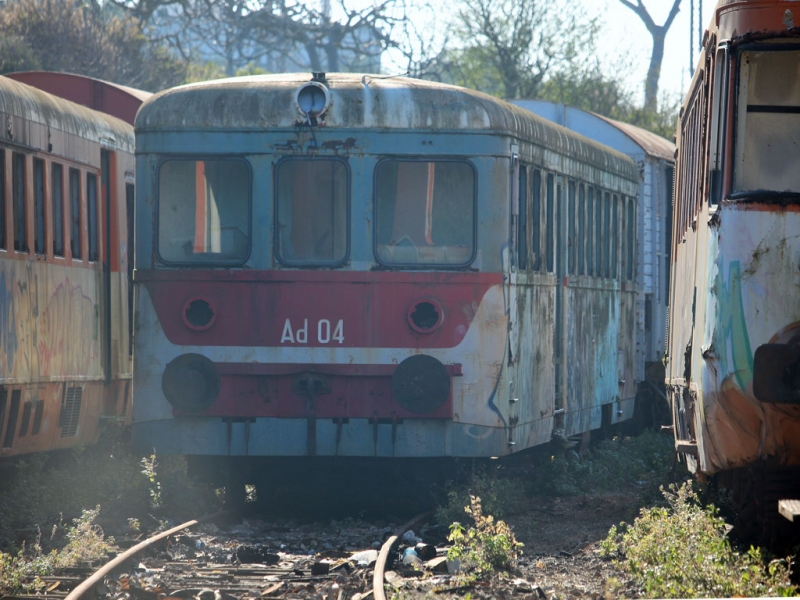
<point>347,144</point>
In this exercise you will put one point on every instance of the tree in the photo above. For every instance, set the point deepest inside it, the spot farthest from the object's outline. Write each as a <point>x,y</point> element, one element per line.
<point>279,35</point>
<point>510,47</point>
<point>659,33</point>
<point>78,37</point>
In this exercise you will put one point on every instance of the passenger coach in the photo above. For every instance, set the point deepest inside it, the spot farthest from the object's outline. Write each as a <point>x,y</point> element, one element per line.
<point>350,265</point>
<point>66,192</point>
<point>734,337</point>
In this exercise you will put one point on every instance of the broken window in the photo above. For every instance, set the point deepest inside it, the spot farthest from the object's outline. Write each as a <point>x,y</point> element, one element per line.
<point>425,212</point>
<point>204,211</point>
<point>768,124</point>
<point>312,211</point>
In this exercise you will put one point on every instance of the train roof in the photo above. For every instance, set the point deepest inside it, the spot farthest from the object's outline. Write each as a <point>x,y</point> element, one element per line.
<point>118,100</point>
<point>362,101</point>
<point>23,107</point>
<point>626,138</point>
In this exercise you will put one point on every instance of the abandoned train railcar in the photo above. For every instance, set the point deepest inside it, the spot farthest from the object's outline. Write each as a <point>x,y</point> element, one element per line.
<point>734,338</point>
<point>66,186</point>
<point>382,267</point>
<point>655,158</point>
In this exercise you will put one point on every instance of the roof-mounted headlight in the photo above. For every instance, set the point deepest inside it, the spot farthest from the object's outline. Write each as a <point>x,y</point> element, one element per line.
<point>312,99</point>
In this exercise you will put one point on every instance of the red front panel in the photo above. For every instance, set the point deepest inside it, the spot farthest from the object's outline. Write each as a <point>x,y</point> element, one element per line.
<point>318,309</point>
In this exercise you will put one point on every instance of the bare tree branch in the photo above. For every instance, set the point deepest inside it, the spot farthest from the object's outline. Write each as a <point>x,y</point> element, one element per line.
<point>659,34</point>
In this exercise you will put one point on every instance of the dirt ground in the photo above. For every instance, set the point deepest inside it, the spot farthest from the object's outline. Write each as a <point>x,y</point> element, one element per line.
<point>561,558</point>
<point>562,552</point>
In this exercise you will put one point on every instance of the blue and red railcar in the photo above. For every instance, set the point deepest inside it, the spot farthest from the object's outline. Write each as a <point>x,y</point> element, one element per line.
<point>355,266</point>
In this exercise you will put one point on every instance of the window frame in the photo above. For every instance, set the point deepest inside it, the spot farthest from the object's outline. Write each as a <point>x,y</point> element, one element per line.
<point>536,219</point>
<point>19,200</point>
<point>737,131</point>
<point>3,202</point>
<point>580,236</point>
<point>426,159</point>
<point>550,225</point>
<point>590,214</point>
<point>305,264</point>
<point>93,229</point>
<point>39,206</point>
<point>56,219</point>
<point>157,208</point>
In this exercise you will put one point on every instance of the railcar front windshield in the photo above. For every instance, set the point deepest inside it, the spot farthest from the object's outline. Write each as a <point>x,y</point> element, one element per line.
<point>204,211</point>
<point>768,120</point>
<point>312,211</point>
<point>425,212</point>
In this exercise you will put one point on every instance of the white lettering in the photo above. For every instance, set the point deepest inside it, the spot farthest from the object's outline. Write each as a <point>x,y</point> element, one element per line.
<point>324,336</point>
<point>324,331</point>
<point>338,333</point>
<point>287,335</point>
<point>302,334</point>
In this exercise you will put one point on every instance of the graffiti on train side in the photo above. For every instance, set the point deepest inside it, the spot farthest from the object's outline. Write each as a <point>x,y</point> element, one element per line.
<point>64,338</point>
<point>732,337</point>
<point>8,320</point>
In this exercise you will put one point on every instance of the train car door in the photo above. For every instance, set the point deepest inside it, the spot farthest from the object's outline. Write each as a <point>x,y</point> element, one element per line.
<point>106,164</point>
<point>513,289</point>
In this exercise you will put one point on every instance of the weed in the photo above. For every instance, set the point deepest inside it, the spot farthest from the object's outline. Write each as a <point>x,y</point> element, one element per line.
<point>149,466</point>
<point>681,551</point>
<point>85,544</point>
<point>488,546</point>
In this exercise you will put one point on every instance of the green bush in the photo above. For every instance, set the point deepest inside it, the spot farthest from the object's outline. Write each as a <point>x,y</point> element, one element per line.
<point>681,551</point>
<point>487,547</point>
<point>86,544</point>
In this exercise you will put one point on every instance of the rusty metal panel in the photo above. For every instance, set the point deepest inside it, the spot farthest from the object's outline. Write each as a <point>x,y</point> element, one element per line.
<point>117,100</point>
<point>49,323</point>
<point>38,120</point>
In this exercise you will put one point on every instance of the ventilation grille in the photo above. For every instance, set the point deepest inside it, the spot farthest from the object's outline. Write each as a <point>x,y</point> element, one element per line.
<point>70,412</point>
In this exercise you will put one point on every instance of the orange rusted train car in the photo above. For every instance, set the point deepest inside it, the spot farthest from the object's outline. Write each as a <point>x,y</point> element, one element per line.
<point>734,337</point>
<point>66,196</point>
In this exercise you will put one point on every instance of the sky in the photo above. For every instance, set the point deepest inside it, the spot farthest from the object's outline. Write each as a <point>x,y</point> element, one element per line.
<point>624,32</point>
<point>624,25</point>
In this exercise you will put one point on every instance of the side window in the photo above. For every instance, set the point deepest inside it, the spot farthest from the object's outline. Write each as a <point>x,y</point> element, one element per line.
<point>2,203</point>
<point>571,240</point>
<point>522,235</point>
<point>75,213</point>
<point>597,247</point>
<point>581,239</point>
<point>549,241</point>
<point>57,199</point>
<point>631,222</point>
<point>607,235</point>
<point>590,232</point>
<point>91,202</point>
<point>204,211</point>
<point>536,221</point>
<point>39,240</point>
<point>614,235</point>
<point>20,214</point>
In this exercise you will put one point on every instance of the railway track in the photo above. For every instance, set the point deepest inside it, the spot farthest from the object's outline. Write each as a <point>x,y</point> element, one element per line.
<point>230,563</point>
